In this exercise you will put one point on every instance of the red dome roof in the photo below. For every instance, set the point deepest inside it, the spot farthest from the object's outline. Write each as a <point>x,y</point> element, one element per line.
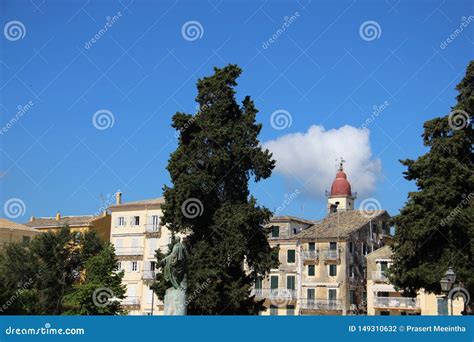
<point>340,186</point>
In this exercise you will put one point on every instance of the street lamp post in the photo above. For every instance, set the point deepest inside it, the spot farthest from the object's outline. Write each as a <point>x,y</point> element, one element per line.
<point>446,284</point>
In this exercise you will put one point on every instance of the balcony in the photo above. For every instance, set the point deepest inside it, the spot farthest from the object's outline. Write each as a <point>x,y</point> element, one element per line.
<point>148,275</point>
<point>309,255</point>
<point>128,251</point>
<point>131,301</point>
<point>396,302</point>
<point>331,255</point>
<point>152,228</point>
<point>321,304</point>
<point>379,276</point>
<point>274,293</point>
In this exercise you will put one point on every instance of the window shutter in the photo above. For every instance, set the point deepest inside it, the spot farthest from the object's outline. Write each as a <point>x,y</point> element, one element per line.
<point>138,266</point>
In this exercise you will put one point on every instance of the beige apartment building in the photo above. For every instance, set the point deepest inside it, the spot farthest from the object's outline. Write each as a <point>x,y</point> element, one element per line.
<point>322,263</point>
<point>136,234</point>
<point>384,299</point>
<point>15,232</point>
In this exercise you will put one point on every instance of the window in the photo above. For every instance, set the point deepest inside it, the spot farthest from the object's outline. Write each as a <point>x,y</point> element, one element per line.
<point>273,310</point>
<point>311,270</point>
<point>351,271</point>
<point>332,270</point>
<point>258,283</point>
<point>135,220</point>
<point>351,247</point>
<point>290,282</point>
<point>332,294</point>
<point>119,266</point>
<point>364,248</point>
<point>383,266</point>
<point>364,298</point>
<point>155,221</point>
<point>134,266</point>
<point>384,313</point>
<point>290,310</point>
<point>311,246</point>
<point>152,265</point>
<point>120,221</point>
<point>295,231</point>
<point>310,294</point>
<point>332,246</point>
<point>275,231</point>
<point>274,282</point>
<point>352,298</point>
<point>290,256</point>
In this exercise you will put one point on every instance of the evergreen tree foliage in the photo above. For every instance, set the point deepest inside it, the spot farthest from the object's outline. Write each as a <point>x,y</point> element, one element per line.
<point>100,290</point>
<point>210,204</point>
<point>435,229</point>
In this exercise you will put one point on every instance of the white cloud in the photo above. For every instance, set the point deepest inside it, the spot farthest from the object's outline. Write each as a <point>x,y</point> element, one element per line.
<point>311,158</point>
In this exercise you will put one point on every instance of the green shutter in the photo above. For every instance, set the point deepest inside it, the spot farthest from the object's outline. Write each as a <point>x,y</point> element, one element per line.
<point>274,282</point>
<point>291,256</point>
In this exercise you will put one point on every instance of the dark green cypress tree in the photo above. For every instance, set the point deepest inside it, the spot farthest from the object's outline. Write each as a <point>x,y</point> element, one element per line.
<point>218,154</point>
<point>435,228</point>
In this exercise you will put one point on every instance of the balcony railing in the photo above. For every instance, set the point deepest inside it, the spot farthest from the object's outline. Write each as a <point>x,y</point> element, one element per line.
<point>396,302</point>
<point>148,275</point>
<point>331,254</point>
<point>379,276</point>
<point>321,304</point>
<point>128,251</point>
<point>309,255</point>
<point>274,293</point>
<point>152,228</point>
<point>131,300</point>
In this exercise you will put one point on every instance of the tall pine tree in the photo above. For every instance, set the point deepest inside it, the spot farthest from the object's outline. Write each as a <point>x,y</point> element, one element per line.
<point>209,202</point>
<point>435,229</point>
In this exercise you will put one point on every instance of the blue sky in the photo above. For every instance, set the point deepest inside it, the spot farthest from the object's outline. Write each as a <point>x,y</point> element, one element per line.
<point>321,70</point>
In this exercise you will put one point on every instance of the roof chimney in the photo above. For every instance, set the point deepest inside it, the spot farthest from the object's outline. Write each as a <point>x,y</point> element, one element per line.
<point>58,216</point>
<point>32,218</point>
<point>118,197</point>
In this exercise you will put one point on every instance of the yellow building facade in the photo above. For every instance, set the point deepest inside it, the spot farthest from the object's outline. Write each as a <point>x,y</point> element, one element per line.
<point>384,299</point>
<point>84,223</point>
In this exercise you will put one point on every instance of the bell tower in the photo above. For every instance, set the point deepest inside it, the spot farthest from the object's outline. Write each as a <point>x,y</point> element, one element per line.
<point>340,198</point>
